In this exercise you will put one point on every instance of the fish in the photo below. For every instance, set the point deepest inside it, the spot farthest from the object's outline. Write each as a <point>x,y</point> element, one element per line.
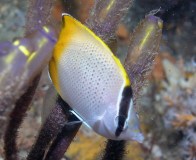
<point>92,80</point>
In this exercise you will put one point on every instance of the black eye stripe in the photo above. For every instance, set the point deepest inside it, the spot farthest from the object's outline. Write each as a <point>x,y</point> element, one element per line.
<point>127,95</point>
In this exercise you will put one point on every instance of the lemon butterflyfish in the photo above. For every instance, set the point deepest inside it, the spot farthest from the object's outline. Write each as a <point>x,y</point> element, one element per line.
<point>94,83</point>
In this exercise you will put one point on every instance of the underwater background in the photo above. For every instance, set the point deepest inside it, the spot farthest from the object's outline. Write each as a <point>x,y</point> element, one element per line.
<point>167,108</point>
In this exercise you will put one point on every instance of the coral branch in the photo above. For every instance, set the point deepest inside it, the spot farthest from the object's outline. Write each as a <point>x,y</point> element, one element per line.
<point>115,150</point>
<point>16,118</point>
<point>38,15</point>
<point>63,140</point>
<point>106,15</point>
<point>53,125</point>
<point>143,48</point>
<point>20,62</point>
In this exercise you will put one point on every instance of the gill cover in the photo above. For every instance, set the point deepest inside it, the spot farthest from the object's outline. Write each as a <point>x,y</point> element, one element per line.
<point>93,82</point>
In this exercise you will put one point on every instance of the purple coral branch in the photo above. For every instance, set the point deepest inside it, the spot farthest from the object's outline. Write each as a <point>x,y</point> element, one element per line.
<point>38,14</point>
<point>53,125</point>
<point>19,67</point>
<point>62,142</point>
<point>142,51</point>
<point>18,113</point>
<point>106,15</point>
<point>115,150</point>
<point>139,72</point>
<point>16,118</point>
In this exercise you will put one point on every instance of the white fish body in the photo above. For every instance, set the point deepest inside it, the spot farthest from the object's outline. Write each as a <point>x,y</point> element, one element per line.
<point>93,82</point>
